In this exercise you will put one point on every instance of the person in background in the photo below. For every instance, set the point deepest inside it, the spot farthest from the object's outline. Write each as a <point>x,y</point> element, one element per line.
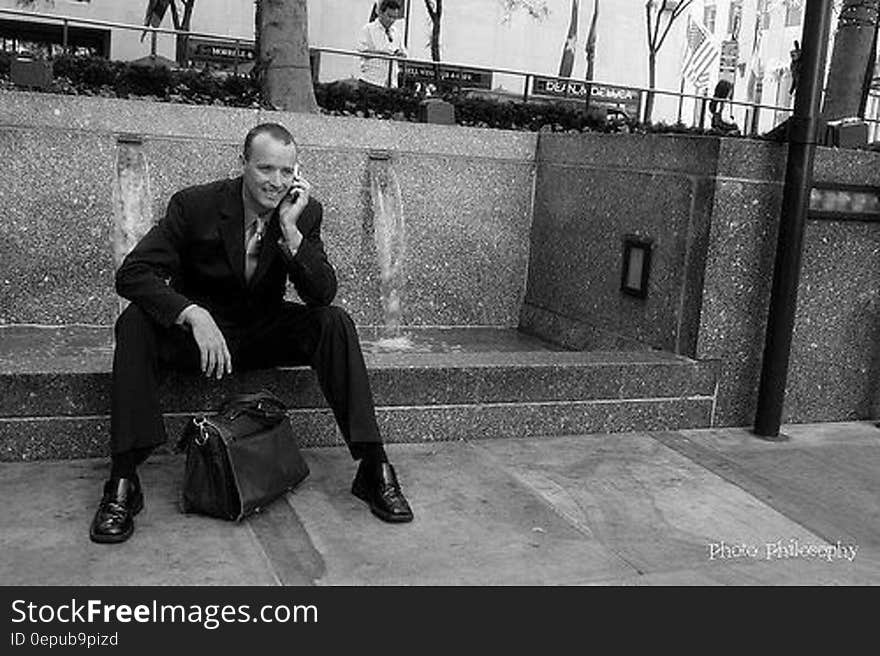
<point>381,35</point>
<point>723,91</point>
<point>795,67</point>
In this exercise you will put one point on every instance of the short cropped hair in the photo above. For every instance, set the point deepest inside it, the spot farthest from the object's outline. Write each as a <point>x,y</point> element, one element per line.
<point>274,130</point>
<point>390,4</point>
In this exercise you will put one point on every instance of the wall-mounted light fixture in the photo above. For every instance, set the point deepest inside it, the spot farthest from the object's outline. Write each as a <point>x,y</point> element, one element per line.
<point>844,202</point>
<point>129,138</point>
<point>636,265</point>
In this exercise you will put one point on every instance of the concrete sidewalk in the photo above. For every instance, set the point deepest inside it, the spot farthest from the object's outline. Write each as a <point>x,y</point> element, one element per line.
<point>698,507</point>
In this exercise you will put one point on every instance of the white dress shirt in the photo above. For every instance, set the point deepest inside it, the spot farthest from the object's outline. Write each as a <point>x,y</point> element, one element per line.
<point>375,38</point>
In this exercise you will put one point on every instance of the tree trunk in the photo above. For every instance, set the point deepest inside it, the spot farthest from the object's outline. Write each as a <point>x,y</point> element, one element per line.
<point>282,42</point>
<point>435,39</point>
<point>183,24</point>
<point>566,65</point>
<point>591,42</point>
<point>851,57</point>
<point>435,11</point>
<point>649,96</point>
<point>258,20</point>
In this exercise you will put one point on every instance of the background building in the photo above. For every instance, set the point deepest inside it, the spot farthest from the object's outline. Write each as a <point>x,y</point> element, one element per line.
<point>764,41</point>
<point>757,37</point>
<point>230,17</point>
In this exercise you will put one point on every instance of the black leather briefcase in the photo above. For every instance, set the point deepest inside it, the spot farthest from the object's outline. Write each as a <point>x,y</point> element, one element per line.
<point>240,459</point>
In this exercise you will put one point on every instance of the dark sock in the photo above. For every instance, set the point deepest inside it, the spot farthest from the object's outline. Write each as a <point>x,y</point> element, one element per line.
<point>124,465</point>
<point>370,452</point>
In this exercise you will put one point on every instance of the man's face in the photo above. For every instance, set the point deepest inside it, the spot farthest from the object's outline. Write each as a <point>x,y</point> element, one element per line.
<point>389,15</point>
<point>269,171</point>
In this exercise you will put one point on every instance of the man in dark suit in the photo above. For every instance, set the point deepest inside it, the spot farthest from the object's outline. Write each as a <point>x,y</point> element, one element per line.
<point>206,286</point>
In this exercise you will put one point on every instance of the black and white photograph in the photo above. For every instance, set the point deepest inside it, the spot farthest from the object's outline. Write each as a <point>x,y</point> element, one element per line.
<point>475,294</point>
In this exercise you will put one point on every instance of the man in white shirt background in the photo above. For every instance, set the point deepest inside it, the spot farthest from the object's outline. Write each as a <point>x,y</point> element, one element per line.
<point>383,36</point>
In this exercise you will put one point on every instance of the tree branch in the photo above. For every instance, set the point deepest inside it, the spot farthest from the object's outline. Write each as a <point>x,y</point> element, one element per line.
<point>657,25</point>
<point>678,11</point>
<point>175,17</point>
<point>187,13</point>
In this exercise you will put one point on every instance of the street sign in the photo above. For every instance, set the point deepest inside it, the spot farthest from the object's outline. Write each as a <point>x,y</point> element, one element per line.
<point>615,99</point>
<point>729,56</point>
<point>556,88</point>
<point>227,54</point>
<point>421,76</point>
<point>214,51</point>
<point>627,101</point>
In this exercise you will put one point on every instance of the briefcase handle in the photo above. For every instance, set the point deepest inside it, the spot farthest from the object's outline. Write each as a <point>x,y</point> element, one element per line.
<point>252,398</point>
<point>263,406</point>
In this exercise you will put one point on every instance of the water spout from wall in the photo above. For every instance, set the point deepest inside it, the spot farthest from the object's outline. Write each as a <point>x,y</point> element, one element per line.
<point>132,200</point>
<point>389,234</point>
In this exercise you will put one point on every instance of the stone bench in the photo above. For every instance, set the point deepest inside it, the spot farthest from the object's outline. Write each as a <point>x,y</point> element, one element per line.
<point>443,384</point>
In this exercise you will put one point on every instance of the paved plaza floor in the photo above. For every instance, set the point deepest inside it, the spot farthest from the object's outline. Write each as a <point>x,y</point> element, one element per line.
<point>690,507</point>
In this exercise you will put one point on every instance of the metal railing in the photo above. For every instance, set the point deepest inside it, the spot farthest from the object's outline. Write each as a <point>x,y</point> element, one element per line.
<point>528,77</point>
<point>750,112</point>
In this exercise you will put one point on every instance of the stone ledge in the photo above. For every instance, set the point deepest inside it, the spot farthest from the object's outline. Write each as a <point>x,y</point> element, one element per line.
<point>52,438</point>
<point>47,372</point>
<point>177,121</point>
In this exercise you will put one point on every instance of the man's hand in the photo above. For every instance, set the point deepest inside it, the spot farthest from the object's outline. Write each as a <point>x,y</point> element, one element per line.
<point>290,209</point>
<point>215,357</point>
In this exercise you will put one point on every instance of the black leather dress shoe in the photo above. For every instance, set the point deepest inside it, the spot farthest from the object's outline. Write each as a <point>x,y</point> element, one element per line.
<point>114,520</point>
<point>376,483</point>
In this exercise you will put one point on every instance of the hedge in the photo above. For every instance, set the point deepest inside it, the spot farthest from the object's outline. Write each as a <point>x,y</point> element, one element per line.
<point>94,76</point>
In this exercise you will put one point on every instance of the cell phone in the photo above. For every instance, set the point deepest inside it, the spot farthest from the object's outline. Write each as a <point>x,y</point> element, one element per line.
<point>292,192</point>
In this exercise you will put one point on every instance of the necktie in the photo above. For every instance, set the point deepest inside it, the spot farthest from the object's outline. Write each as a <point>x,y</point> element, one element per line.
<point>252,248</point>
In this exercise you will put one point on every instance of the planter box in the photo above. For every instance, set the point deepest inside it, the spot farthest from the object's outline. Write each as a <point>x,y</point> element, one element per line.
<point>35,73</point>
<point>436,111</point>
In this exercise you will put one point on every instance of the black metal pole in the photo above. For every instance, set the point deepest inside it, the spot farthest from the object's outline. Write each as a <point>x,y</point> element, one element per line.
<point>703,110</point>
<point>869,72</point>
<point>802,138</point>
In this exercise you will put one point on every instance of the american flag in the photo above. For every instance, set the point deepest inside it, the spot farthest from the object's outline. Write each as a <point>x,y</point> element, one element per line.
<point>700,53</point>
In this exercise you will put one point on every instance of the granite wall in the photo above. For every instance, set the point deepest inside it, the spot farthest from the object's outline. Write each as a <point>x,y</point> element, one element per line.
<point>591,190</point>
<point>467,198</point>
<point>502,229</point>
<point>835,356</point>
<point>711,207</point>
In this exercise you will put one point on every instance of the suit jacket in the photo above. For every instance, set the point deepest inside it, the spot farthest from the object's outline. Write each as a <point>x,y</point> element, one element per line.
<point>195,254</point>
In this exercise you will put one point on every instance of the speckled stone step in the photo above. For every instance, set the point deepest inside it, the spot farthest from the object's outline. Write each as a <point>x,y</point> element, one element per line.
<point>434,384</point>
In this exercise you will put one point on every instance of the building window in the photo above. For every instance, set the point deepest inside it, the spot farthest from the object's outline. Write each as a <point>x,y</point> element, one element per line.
<point>46,40</point>
<point>794,12</point>
<point>709,12</point>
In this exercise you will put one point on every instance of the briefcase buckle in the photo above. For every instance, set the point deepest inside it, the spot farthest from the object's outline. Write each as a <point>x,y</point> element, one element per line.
<point>202,424</point>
